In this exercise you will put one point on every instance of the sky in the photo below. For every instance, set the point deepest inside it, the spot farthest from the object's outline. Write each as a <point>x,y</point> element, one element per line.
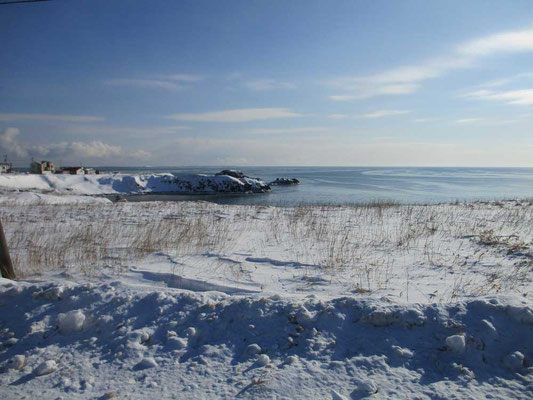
<point>282,83</point>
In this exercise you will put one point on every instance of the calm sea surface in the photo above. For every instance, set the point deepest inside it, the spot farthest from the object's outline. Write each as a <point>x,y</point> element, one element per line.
<point>346,185</point>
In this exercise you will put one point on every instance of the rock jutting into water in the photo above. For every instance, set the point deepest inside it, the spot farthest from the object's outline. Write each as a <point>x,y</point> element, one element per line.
<point>285,181</point>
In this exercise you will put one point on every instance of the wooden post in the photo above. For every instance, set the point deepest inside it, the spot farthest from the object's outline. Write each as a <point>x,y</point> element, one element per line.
<point>6,267</point>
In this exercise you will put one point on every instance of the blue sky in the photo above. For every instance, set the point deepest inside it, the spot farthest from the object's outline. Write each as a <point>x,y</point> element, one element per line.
<point>101,82</point>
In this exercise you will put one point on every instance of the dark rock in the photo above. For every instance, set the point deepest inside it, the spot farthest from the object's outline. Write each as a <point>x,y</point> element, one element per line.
<point>285,181</point>
<point>232,172</point>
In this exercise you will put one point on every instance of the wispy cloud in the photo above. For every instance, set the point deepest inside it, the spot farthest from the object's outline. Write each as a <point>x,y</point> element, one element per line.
<point>407,79</point>
<point>49,117</point>
<point>237,115</point>
<point>307,129</point>
<point>144,83</point>
<point>169,82</point>
<point>381,114</point>
<point>466,121</point>
<point>519,97</point>
<point>371,115</point>
<point>268,84</point>
<point>183,77</point>
<point>148,132</point>
<point>504,42</point>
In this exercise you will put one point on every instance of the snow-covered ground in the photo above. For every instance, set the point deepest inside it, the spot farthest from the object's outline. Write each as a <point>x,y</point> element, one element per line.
<point>130,184</point>
<point>197,300</point>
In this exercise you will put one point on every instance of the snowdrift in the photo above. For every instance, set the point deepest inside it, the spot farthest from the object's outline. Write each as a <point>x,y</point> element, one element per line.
<point>132,184</point>
<point>109,340</point>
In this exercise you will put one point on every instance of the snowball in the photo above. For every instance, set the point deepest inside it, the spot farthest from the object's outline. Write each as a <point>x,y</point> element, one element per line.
<point>254,349</point>
<point>337,396</point>
<point>367,386</point>
<point>146,363</point>
<point>402,352</point>
<point>514,361</point>
<point>456,343</point>
<point>16,362</point>
<point>262,360</point>
<point>45,368</point>
<point>71,321</point>
<point>291,360</point>
<point>176,342</point>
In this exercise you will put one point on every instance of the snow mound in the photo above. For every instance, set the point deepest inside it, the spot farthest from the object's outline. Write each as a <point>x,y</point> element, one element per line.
<point>30,198</point>
<point>146,343</point>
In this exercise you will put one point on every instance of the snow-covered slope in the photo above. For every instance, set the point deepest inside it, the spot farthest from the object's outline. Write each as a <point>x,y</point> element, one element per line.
<point>132,184</point>
<point>193,300</point>
<point>114,340</point>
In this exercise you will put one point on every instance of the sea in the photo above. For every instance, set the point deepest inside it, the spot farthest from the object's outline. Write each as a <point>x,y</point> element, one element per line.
<point>356,185</point>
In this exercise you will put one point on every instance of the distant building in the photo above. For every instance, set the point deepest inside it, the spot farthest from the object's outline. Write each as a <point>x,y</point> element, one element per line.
<point>43,167</point>
<point>5,167</point>
<point>89,171</point>
<point>73,170</point>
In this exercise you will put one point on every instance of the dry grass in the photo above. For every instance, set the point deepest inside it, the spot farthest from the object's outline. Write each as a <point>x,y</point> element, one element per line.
<point>368,244</point>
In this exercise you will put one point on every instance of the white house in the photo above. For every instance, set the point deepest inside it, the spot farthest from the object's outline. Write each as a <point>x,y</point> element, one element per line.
<point>5,167</point>
<point>43,167</point>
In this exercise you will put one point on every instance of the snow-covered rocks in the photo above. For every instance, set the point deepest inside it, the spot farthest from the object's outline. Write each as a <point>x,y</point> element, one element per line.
<point>45,368</point>
<point>126,184</point>
<point>71,321</point>
<point>285,181</point>
<point>456,343</point>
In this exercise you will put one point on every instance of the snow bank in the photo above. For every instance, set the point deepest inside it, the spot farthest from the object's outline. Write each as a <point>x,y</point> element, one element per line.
<point>30,198</point>
<point>253,347</point>
<point>132,184</point>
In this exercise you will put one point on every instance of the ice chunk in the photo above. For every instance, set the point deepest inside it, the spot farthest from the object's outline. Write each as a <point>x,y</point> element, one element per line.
<point>71,321</point>
<point>254,349</point>
<point>402,352</point>
<point>456,343</point>
<point>147,362</point>
<point>367,386</point>
<point>262,360</point>
<point>16,362</point>
<point>337,396</point>
<point>291,360</point>
<point>514,361</point>
<point>45,368</point>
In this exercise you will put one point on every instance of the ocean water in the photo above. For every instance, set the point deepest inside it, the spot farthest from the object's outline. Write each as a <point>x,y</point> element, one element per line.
<point>349,185</point>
